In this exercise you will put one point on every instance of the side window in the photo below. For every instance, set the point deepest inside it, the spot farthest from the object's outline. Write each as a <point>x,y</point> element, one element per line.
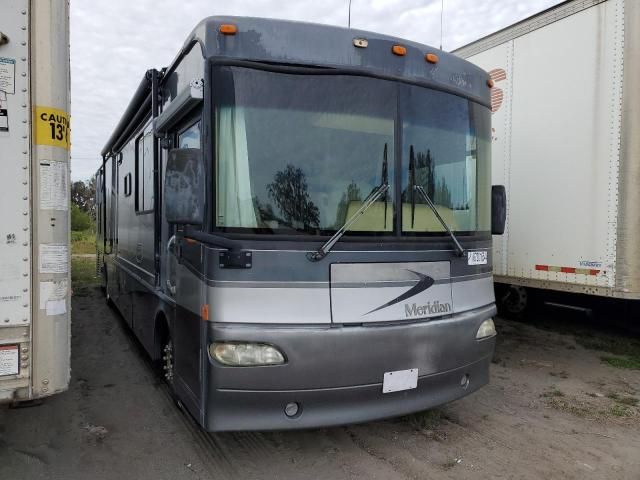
<point>147,203</point>
<point>144,173</point>
<point>190,138</point>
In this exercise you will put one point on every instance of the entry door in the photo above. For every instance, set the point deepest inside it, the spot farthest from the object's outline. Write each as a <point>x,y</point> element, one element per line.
<point>186,287</point>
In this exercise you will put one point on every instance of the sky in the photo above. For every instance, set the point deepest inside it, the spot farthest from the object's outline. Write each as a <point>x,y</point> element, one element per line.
<point>113,42</point>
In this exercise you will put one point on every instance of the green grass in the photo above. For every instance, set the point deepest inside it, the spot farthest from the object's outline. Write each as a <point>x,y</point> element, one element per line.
<point>632,363</point>
<point>553,392</point>
<point>618,411</point>
<point>625,348</point>
<point>83,272</point>
<point>83,242</point>
<point>426,420</point>
<point>626,400</point>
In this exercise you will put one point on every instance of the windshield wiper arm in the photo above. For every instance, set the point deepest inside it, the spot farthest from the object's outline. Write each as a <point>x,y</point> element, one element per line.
<point>420,190</point>
<point>423,193</point>
<point>370,200</point>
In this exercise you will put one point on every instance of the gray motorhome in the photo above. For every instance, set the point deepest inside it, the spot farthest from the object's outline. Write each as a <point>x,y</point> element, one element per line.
<point>295,220</point>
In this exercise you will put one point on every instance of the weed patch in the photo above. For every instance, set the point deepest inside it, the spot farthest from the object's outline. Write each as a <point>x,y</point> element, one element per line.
<point>427,420</point>
<point>552,393</point>
<point>83,274</point>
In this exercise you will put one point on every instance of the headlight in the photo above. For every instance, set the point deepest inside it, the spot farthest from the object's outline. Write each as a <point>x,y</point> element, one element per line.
<point>487,329</point>
<point>237,354</point>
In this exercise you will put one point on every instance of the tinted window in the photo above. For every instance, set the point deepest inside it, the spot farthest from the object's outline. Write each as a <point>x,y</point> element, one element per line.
<point>300,153</point>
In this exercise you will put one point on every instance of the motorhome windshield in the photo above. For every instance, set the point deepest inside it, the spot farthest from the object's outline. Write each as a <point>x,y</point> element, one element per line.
<point>301,153</point>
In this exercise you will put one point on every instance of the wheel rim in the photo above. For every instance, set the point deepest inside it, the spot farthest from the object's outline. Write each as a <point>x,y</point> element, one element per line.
<point>515,301</point>
<point>167,361</point>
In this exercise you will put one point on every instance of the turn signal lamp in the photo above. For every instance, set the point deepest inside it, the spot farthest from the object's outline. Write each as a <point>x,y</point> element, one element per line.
<point>228,29</point>
<point>399,50</point>
<point>431,58</point>
<point>487,329</point>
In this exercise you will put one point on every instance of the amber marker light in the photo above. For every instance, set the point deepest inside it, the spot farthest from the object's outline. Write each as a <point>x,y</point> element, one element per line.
<point>431,58</point>
<point>399,50</point>
<point>228,29</point>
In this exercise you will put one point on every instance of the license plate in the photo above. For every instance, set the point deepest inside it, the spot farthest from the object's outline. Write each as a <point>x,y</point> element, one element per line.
<point>477,258</point>
<point>9,360</point>
<point>400,380</point>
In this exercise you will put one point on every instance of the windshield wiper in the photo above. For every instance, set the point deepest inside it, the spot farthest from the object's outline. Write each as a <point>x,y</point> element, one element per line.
<point>370,200</point>
<point>418,188</point>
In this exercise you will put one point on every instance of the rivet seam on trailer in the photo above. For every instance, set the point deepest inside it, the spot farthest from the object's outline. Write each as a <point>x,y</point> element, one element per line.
<point>615,112</point>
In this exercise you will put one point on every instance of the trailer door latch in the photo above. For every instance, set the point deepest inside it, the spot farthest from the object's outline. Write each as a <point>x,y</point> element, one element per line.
<point>231,259</point>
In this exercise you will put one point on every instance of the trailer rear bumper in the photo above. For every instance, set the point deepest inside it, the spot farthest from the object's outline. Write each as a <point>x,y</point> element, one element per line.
<point>335,374</point>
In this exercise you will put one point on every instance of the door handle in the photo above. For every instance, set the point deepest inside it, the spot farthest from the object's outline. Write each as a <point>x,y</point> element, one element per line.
<point>170,286</point>
<point>170,243</point>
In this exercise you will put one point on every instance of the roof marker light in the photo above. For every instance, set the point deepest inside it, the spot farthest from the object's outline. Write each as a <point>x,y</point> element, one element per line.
<point>228,29</point>
<point>431,58</point>
<point>399,50</point>
<point>360,42</point>
<point>490,83</point>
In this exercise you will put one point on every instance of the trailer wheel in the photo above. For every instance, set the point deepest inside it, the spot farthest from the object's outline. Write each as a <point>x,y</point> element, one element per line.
<point>514,300</point>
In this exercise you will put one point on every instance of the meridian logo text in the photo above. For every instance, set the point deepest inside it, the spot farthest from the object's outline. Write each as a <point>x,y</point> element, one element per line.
<point>429,308</point>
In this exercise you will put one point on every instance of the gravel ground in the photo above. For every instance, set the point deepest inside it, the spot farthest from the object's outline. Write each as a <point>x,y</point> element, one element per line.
<point>553,409</point>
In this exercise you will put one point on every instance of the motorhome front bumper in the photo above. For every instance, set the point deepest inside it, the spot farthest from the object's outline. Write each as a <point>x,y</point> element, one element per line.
<point>335,374</point>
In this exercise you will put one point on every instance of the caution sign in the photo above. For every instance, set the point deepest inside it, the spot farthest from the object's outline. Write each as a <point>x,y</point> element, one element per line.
<point>52,127</point>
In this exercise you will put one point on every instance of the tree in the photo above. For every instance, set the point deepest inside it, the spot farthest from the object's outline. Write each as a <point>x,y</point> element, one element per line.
<point>351,195</point>
<point>83,195</point>
<point>289,190</point>
<point>80,220</point>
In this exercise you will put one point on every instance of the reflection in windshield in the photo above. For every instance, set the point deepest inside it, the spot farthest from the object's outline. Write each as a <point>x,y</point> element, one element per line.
<point>352,194</point>
<point>449,135</point>
<point>290,193</point>
<point>301,153</point>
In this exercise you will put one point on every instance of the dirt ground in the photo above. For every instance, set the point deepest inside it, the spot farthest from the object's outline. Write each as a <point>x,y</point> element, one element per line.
<point>554,409</point>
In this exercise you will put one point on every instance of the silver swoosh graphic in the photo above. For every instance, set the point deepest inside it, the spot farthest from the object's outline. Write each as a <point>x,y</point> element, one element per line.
<point>425,282</point>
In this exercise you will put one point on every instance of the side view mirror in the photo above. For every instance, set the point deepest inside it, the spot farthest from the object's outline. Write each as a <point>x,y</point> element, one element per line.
<point>184,191</point>
<point>498,209</point>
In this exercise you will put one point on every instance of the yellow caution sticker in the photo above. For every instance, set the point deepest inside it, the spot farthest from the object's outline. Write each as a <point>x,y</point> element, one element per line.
<point>52,127</point>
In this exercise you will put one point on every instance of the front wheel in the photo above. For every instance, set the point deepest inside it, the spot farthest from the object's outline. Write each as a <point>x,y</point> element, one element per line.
<point>167,362</point>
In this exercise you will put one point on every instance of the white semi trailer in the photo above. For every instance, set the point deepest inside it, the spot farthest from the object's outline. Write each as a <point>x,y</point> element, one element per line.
<point>34,199</point>
<point>566,144</point>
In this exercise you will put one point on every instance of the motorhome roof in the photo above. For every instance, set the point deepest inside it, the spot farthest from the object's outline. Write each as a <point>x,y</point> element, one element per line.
<point>309,44</point>
<point>290,42</point>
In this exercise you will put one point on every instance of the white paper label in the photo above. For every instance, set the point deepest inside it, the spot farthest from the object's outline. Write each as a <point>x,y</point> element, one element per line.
<point>8,75</point>
<point>54,258</point>
<point>56,307</point>
<point>4,112</point>
<point>54,193</point>
<point>51,291</point>
<point>477,257</point>
<point>9,360</point>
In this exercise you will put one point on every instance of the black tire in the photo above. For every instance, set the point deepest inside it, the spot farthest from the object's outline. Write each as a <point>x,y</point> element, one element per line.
<point>513,301</point>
